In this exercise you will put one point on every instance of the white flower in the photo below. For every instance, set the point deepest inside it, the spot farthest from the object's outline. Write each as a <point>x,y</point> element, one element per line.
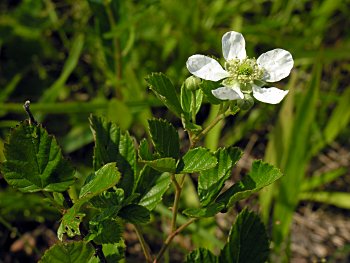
<point>243,75</point>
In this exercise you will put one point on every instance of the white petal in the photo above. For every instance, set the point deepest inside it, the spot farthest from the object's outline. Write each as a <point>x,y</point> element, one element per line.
<point>233,46</point>
<point>206,68</point>
<point>269,95</point>
<point>277,64</point>
<point>224,93</point>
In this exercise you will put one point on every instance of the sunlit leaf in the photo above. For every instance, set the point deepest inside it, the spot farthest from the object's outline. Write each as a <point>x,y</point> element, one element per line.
<point>74,251</point>
<point>105,178</point>
<point>162,165</point>
<point>155,194</point>
<point>261,175</point>
<point>196,160</point>
<point>210,182</point>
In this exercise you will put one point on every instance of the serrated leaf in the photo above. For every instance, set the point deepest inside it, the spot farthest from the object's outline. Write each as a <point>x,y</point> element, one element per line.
<point>74,251</point>
<point>261,175</point>
<point>144,151</point>
<point>201,255</point>
<point>105,178</point>
<point>209,211</point>
<point>248,242</point>
<point>196,160</point>
<point>70,223</point>
<point>108,199</point>
<point>165,138</point>
<point>211,182</point>
<point>111,145</point>
<point>162,165</point>
<point>165,91</point>
<point>34,161</point>
<point>155,194</point>
<point>107,231</point>
<point>135,214</point>
<point>186,99</point>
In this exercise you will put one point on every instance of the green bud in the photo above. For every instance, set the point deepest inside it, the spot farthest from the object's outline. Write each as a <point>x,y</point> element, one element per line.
<point>246,103</point>
<point>192,83</point>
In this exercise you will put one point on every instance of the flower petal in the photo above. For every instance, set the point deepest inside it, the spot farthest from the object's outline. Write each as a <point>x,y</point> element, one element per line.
<point>277,64</point>
<point>206,68</point>
<point>225,93</point>
<point>233,46</point>
<point>269,95</point>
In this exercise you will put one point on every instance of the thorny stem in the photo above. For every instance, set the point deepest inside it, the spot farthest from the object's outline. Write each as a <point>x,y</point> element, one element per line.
<point>171,237</point>
<point>84,231</point>
<point>26,107</point>
<point>145,248</point>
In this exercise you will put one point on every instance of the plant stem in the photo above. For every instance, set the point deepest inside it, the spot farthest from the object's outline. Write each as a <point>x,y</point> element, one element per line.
<point>208,128</point>
<point>194,102</point>
<point>171,237</point>
<point>176,201</point>
<point>145,248</point>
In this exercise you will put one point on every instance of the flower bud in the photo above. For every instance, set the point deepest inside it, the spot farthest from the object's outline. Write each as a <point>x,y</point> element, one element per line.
<point>192,83</point>
<point>246,103</point>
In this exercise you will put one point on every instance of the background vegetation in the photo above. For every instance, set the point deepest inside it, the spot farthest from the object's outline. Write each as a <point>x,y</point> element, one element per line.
<point>73,58</point>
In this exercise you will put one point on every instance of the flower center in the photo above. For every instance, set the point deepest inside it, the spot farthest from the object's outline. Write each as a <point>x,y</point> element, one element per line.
<point>243,71</point>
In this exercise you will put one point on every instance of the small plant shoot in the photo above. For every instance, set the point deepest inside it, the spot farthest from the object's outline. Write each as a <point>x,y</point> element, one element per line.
<point>131,179</point>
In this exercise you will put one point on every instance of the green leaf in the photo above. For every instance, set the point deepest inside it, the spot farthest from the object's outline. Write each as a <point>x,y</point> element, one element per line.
<point>186,99</point>
<point>70,223</point>
<point>165,138</point>
<point>105,178</point>
<point>74,251</point>
<point>34,161</point>
<point>211,182</point>
<point>196,160</point>
<point>146,180</point>
<point>201,255</point>
<point>155,194</point>
<point>261,175</point>
<point>144,151</point>
<point>207,86</point>
<point>165,91</point>
<point>248,242</point>
<point>111,145</point>
<point>135,214</point>
<point>108,199</point>
<point>162,165</point>
<point>108,231</point>
<point>209,211</point>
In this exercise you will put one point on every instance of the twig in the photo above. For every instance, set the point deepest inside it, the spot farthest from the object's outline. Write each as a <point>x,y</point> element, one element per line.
<point>26,107</point>
<point>145,248</point>
<point>171,237</point>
